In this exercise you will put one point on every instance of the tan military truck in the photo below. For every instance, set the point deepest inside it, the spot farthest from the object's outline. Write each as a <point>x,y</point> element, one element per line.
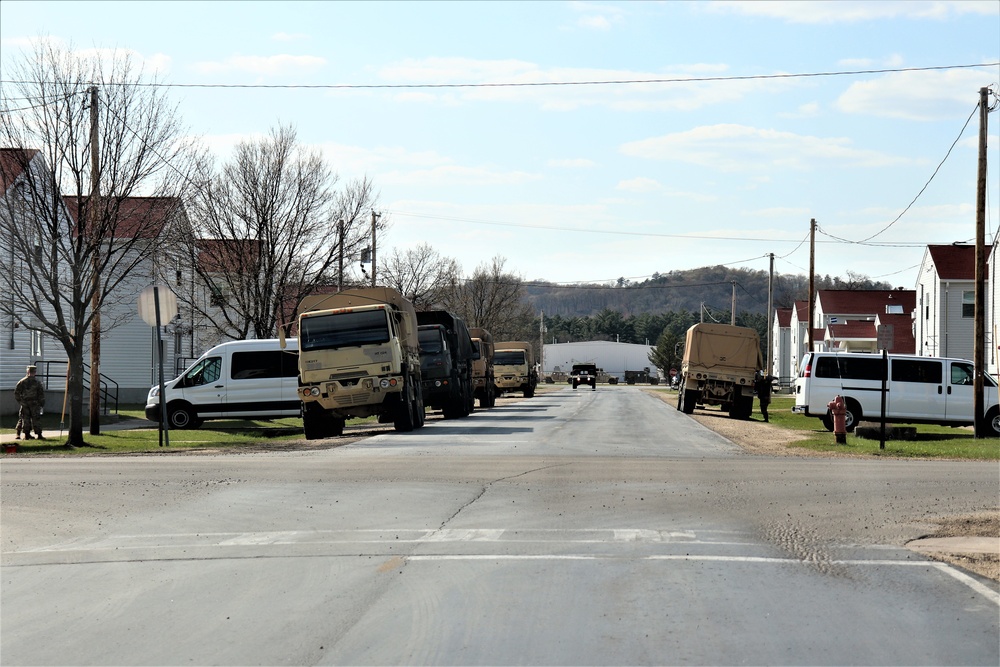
<point>358,357</point>
<point>719,366</point>
<point>514,368</point>
<point>483,378</point>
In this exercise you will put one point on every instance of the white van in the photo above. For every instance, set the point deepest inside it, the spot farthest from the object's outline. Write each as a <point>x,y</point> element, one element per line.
<point>920,390</point>
<point>243,379</point>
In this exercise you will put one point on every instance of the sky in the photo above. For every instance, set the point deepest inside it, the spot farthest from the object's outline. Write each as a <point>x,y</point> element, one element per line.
<point>591,141</point>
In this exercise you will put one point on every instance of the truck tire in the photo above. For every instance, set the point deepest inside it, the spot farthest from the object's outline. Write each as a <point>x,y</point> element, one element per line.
<point>529,391</point>
<point>405,418</point>
<point>742,407</point>
<point>690,398</point>
<point>318,424</point>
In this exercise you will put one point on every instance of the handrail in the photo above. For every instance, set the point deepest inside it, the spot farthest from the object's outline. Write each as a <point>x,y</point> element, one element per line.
<point>104,390</point>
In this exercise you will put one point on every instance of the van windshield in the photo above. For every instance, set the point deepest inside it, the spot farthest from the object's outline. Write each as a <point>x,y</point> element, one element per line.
<point>349,329</point>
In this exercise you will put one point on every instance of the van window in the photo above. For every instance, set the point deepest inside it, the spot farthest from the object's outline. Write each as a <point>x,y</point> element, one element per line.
<point>853,367</point>
<point>916,370</point>
<point>205,371</point>
<point>264,364</point>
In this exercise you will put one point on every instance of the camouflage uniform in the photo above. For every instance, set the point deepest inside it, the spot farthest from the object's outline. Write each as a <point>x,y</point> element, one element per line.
<point>30,395</point>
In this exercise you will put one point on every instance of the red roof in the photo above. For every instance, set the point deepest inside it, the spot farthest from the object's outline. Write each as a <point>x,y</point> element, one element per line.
<point>217,255</point>
<point>12,164</point>
<point>138,217</point>
<point>902,333</point>
<point>802,311</point>
<point>853,330</point>
<point>784,316</point>
<point>955,262</point>
<point>865,302</point>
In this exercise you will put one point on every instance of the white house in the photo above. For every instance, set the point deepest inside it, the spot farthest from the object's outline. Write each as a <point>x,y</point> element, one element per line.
<point>781,346</point>
<point>944,323</point>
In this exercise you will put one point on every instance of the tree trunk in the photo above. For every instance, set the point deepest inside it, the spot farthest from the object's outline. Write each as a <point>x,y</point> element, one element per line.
<point>75,397</point>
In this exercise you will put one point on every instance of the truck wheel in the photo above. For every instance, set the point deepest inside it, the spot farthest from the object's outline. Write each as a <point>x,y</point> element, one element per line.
<point>405,418</point>
<point>575,384</point>
<point>690,398</point>
<point>318,424</point>
<point>742,407</point>
<point>530,392</point>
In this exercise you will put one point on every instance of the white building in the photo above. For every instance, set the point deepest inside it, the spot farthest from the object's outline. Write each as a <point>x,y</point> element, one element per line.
<point>614,358</point>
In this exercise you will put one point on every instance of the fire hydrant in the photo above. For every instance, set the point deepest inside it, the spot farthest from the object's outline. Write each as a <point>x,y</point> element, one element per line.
<point>838,410</point>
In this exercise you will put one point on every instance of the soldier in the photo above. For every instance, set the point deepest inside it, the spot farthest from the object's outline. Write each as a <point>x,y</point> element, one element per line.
<point>30,395</point>
<point>763,387</point>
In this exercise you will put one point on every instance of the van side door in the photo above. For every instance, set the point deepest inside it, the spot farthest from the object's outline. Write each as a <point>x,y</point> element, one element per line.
<point>263,384</point>
<point>960,392</point>
<point>204,387</point>
<point>916,389</point>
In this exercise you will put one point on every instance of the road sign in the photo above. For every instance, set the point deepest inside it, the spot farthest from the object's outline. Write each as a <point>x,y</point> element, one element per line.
<point>147,305</point>
<point>885,336</point>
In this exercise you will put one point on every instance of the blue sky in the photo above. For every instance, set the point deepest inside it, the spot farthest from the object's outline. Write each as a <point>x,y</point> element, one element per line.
<point>719,161</point>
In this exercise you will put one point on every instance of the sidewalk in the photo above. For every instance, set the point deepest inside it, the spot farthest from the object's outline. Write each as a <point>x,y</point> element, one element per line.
<point>56,434</point>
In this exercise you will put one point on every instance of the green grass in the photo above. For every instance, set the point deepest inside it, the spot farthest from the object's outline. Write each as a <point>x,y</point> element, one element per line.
<point>931,442</point>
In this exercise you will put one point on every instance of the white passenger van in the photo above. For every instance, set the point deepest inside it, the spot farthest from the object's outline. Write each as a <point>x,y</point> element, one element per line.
<point>920,390</point>
<point>243,379</point>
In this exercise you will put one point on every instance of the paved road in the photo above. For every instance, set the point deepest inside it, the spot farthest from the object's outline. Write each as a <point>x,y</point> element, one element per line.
<point>578,527</point>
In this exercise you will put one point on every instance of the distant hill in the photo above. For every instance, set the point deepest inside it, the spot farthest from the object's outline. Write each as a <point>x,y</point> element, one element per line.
<point>685,291</point>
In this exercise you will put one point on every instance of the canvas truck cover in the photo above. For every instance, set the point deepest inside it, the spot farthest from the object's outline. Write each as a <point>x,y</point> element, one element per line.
<point>367,296</point>
<point>722,348</point>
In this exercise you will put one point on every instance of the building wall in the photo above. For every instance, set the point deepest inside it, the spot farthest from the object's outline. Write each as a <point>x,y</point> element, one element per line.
<point>613,358</point>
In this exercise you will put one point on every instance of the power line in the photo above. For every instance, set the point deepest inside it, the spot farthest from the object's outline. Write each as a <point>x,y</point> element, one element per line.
<point>537,84</point>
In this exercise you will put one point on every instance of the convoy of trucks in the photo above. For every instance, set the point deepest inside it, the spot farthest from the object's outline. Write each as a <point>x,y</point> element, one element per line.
<point>446,361</point>
<point>719,367</point>
<point>358,357</point>
<point>483,379</point>
<point>514,368</point>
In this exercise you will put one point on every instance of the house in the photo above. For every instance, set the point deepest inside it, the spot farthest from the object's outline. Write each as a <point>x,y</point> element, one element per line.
<point>23,173</point>
<point>781,347</point>
<point>798,327</point>
<point>945,287</point>
<point>849,319</point>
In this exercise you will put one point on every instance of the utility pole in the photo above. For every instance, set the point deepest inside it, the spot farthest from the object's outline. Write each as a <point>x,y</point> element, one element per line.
<point>732,307</point>
<point>770,315</point>
<point>93,206</point>
<point>812,281</point>
<point>374,219</point>
<point>979,312</point>
<point>541,342</point>
<point>340,269</point>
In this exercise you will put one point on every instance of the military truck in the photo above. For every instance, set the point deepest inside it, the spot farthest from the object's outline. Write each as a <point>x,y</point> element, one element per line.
<point>483,378</point>
<point>446,358</point>
<point>719,366</point>
<point>584,374</point>
<point>358,357</point>
<point>514,368</point>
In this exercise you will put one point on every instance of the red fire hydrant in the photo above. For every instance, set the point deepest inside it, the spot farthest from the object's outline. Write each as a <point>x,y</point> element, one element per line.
<point>838,410</point>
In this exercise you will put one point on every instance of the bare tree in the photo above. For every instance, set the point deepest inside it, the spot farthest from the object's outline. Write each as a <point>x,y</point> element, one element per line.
<point>494,299</point>
<point>264,233</point>
<point>70,236</point>
<point>421,274</point>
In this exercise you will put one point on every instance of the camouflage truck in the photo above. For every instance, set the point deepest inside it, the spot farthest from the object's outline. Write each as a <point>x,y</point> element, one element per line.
<point>514,368</point>
<point>358,357</point>
<point>446,358</point>
<point>584,374</point>
<point>719,367</point>
<point>483,378</point>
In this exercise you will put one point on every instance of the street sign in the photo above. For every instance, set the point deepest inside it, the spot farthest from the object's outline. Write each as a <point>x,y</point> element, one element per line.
<point>885,337</point>
<point>147,305</point>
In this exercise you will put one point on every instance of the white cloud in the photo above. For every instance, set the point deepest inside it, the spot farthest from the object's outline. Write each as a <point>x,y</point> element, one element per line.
<point>853,11</point>
<point>639,184</point>
<point>262,65</point>
<point>572,163</point>
<point>733,148</point>
<point>916,95</point>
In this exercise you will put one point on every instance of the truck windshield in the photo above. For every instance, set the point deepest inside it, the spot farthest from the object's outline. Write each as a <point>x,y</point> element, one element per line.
<point>509,358</point>
<point>323,332</point>
<point>430,341</point>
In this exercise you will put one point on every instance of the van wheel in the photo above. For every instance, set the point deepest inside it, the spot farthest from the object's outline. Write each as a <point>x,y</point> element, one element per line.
<point>182,416</point>
<point>827,420</point>
<point>993,421</point>
<point>853,416</point>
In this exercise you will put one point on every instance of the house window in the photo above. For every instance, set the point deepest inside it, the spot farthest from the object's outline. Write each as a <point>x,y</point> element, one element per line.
<point>968,304</point>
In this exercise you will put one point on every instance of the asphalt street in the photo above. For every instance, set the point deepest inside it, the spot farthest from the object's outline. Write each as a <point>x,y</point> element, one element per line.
<point>578,527</point>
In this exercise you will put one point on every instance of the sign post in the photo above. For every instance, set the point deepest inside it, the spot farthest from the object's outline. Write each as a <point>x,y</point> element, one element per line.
<point>155,303</point>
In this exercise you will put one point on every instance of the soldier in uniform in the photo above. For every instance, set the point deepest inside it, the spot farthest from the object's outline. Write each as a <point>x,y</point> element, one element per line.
<point>30,395</point>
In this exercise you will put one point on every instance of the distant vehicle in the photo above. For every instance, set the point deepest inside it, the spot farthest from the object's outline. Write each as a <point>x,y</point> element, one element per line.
<point>719,367</point>
<point>483,376</point>
<point>242,379</point>
<point>919,390</point>
<point>446,359</point>
<point>584,374</point>
<point>358,357</point>
<point>514,368</point>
